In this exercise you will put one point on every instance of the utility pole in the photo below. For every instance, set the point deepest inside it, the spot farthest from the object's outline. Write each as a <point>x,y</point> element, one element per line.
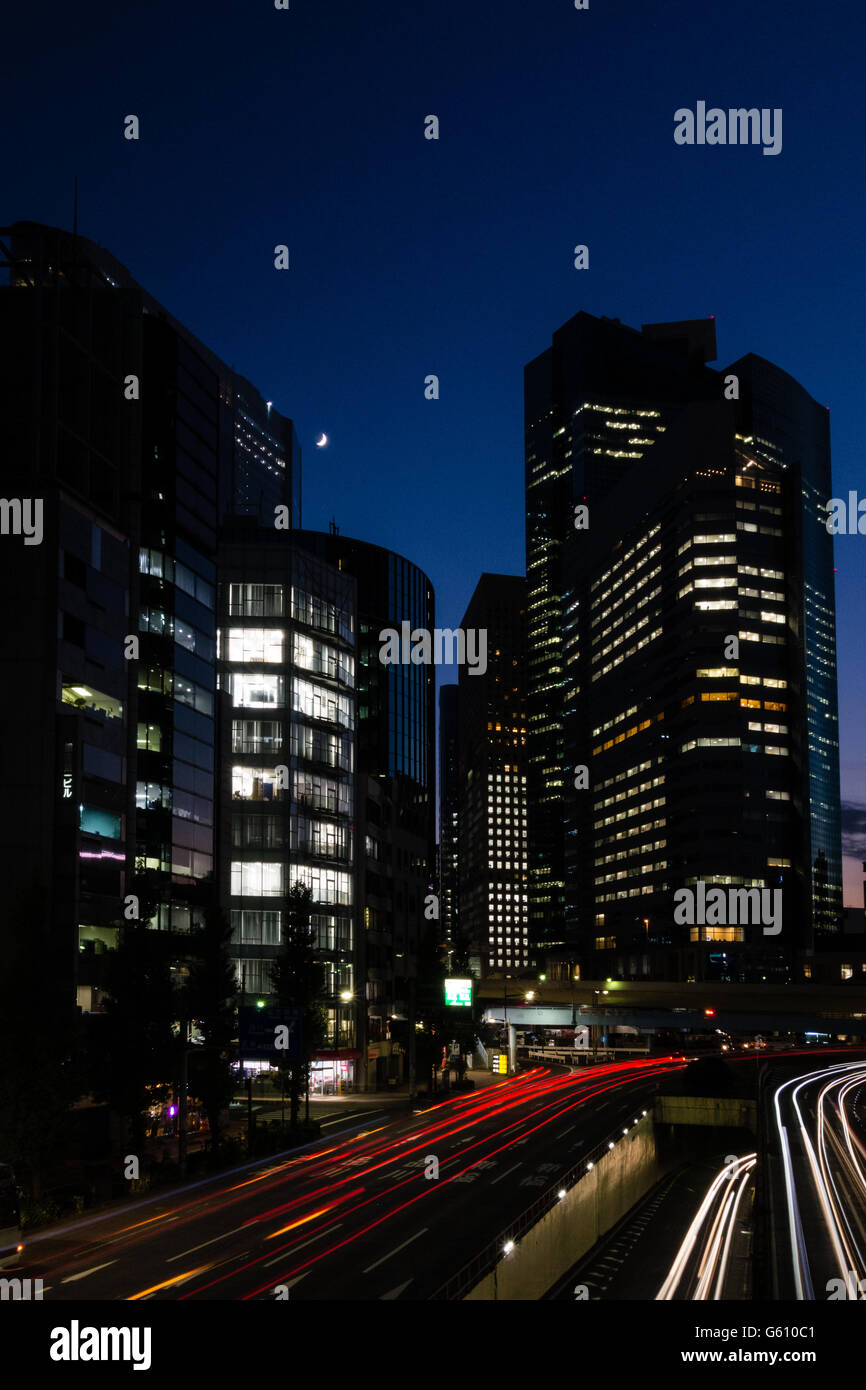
<point>181,1108</point>
<point>411,1041</point>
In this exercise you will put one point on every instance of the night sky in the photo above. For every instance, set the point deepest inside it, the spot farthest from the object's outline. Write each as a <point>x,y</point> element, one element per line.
<point>410,256</point>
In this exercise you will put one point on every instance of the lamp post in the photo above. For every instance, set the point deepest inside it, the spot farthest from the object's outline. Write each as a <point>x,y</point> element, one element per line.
<point>346,996</point>
<point>596,996</point>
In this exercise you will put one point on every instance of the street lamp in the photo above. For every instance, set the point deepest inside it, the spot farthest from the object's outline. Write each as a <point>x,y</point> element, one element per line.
<point>596,994</point>
<point>346,996</point>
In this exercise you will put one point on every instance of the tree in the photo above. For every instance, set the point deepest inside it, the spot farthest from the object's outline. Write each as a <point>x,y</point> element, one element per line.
<point>140,1055</point>
<point>298,981</point>
<point>209,1000</point>
<point>38,1052</point>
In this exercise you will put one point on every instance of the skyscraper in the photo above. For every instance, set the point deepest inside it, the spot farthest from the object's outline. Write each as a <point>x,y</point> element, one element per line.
<point>696,701</point>
<point>137,440</point>
<point>492,855</point>
<point>595,402</point>
<point>449,814</point>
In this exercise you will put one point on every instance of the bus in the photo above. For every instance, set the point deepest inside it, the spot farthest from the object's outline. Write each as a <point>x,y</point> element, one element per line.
<point>11,1244</point>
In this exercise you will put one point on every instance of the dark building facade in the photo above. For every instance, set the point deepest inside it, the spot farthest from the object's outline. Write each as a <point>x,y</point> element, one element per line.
<point>131,433</point>
<point>492,855</point>
<point>706,760</point>
<point>595,403</point>
<point>449,811</point>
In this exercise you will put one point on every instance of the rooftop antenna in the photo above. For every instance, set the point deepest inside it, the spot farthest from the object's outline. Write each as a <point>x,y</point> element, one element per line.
<point>333,528</point>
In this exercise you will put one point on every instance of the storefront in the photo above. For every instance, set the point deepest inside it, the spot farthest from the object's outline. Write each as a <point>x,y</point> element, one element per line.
<point>334,1073</point>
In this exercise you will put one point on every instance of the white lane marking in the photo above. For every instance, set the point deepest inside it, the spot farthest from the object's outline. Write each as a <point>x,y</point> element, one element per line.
<point>71,1278</point>
<point>395,1293</point>
<point>225,1235</point>
<point>383,1258</point>
<point>287,1254</point>
<point>505,1174</point>
<point>297,1279</point>
<point>340,1119</point>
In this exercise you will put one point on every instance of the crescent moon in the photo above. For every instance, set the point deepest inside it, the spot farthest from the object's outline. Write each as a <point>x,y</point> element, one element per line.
<point>320,443</point>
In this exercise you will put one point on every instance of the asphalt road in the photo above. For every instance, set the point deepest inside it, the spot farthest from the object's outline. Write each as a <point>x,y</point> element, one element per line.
<point>816,1125</point>
<point>355,1216</point>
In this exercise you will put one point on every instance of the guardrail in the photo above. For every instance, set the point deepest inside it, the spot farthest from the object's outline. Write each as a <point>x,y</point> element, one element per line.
<point>584,1055</point>
<point>487,1259</point>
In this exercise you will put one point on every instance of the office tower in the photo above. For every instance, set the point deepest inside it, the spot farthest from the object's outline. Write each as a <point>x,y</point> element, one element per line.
<point>706,762</point>
<point>395,789</point>
<point>449,802</point>
<point>287,635</point>
<point>133,435</point>
<point>262,468</point>
<point>596,403</point>
<point>493,867</point>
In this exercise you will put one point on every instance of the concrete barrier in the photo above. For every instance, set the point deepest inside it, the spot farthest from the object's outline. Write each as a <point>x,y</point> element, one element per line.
<point>589,1209</point>
<point>721,1112</point>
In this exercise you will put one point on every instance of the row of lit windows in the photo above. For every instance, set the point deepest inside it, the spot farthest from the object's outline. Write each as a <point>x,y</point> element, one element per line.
<point>760,573</point>
<point>633,832</point>
<point>625,774</point>
<point>765,637</point>
<point>624,559</point>
<point>734,743</point>
<point>628,733</point>
<point>643,849</point>
<point>763,616</point>
<point>617,453</point>
<point>725,695</point>
<point>764,506</point>
<point>758,530</point>
<point>629,811</point>
<point>751,481</point>
<point>724,538</point>
<point>640,872</point>
<point>706,560</point>
<point>630,651</point>
<point>621,410</point>
<point>725,582</point>
<point>769,681</point>
<point>600,614</point>
<point>614,623</point>
<point>617,717</point>
<point>641,891</point>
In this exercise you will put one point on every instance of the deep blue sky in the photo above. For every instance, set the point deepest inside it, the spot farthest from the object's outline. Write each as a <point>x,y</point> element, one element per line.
<point>409,256</point>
